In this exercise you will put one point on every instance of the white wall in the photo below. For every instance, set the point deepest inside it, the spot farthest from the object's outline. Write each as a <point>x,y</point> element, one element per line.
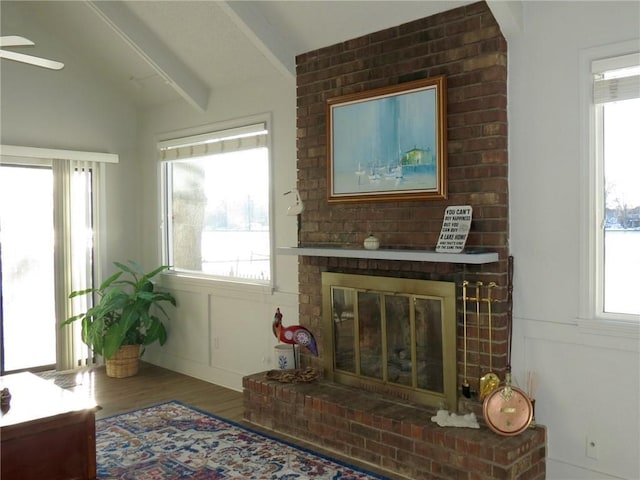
<point>72,109</point>
<point>588,377</point>
<point>221,332</point>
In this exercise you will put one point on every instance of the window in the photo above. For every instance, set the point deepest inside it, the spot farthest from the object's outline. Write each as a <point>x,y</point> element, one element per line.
<point>217,204</point>
<point>616,88</point>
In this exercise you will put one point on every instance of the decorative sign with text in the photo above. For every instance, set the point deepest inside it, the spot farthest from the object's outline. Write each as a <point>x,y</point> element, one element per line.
<point>455,228</point>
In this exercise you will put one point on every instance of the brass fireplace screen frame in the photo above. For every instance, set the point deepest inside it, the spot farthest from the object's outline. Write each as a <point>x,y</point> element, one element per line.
<point>359,311</point>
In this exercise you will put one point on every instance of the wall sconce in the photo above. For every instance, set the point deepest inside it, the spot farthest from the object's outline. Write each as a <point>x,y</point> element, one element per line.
<point>298,206</point>
<point>296,209</point>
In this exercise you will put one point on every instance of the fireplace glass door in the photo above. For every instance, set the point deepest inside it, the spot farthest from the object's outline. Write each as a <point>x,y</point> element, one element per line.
<point>392,338</point>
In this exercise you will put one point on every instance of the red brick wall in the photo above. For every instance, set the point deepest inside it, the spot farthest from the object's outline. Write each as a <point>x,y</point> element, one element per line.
<point>466,45</point>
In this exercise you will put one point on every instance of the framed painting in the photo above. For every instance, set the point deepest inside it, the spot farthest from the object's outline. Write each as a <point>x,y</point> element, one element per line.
<point>388,144</point>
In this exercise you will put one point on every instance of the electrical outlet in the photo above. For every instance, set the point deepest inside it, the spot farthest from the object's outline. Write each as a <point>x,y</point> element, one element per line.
<point>592,447</point>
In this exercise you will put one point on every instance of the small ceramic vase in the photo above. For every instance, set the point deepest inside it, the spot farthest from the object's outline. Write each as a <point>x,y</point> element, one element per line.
<point>371,242</point>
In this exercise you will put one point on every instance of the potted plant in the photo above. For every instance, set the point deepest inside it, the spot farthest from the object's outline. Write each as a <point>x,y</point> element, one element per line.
<point>121,321</point>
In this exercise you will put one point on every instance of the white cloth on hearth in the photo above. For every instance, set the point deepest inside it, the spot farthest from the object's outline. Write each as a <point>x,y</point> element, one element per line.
<point>446,419</point>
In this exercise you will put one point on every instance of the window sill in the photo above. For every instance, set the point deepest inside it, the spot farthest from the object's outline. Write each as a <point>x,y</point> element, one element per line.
<point>181,280</point>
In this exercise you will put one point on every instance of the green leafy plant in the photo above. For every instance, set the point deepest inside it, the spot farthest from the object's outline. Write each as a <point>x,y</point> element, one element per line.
<point>123,315</point>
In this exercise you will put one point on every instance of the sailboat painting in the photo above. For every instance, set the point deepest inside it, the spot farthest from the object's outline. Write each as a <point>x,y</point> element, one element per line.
<point>388,144</point>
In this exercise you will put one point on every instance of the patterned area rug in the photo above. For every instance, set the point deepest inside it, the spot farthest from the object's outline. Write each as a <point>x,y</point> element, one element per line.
<point>175,441</point>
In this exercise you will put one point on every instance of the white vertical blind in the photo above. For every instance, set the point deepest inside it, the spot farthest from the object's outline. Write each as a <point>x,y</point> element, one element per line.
<point>62,261</point>
<point>73,257</point>
<point>84,177</point>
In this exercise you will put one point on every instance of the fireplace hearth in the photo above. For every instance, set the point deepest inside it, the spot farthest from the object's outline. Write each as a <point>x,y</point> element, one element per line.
<point>393,435</point>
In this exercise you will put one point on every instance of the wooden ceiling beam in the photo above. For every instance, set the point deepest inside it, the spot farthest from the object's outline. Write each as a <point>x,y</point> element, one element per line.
<point>146,44</point>
<point>262,34</point>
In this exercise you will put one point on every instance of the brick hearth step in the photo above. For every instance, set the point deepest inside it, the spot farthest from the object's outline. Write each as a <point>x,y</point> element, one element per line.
<point>392,435</point>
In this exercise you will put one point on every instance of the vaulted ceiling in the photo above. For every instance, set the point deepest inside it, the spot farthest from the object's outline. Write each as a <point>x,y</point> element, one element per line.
<point>162,51</point>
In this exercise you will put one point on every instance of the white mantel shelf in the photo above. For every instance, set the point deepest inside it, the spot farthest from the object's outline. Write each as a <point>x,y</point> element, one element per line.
<point>474,258</point>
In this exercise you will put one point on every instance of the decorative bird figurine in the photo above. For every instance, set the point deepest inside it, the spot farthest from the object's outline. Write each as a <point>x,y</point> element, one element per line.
<point>293,335</point>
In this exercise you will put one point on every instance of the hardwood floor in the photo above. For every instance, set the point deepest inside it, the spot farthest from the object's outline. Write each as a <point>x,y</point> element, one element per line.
<point>151,386</point>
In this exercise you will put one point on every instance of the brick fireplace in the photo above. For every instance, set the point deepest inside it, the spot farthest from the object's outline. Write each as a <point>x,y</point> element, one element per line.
<point>464,44</point>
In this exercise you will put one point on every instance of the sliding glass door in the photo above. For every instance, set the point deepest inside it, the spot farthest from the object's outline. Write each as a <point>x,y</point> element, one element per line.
<point>27,303</point>
<point>47,221</point>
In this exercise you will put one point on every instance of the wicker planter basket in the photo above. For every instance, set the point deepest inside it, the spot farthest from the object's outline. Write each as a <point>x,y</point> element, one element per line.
<point>125,362</point>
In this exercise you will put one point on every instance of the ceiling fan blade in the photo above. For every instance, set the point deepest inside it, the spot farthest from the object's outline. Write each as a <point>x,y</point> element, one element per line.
<point>14,41</point>
<point>40,62</point>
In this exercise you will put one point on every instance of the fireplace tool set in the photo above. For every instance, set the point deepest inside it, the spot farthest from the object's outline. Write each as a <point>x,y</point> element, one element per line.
<point>507,409</point>
<point>490,380</point>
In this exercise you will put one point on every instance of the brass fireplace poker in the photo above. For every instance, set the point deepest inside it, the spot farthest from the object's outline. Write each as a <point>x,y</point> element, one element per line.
<point>466,389</point>
<point>490,381</point>
<point>478,300</point>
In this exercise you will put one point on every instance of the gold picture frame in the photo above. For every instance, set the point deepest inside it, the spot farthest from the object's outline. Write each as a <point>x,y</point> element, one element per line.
<point>388,144</point>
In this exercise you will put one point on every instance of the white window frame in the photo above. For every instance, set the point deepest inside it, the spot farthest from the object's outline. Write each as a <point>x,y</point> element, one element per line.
<point>591,315</point>
<point>208,132</point>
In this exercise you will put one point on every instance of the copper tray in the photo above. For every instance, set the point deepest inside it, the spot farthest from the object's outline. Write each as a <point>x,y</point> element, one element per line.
<point>508,410</point>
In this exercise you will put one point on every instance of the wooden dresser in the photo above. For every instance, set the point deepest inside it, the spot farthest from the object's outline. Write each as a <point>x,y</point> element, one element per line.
<point>47,432</point>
